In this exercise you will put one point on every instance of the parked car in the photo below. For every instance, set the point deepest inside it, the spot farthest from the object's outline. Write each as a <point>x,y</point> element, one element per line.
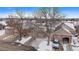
<point>56,44</point>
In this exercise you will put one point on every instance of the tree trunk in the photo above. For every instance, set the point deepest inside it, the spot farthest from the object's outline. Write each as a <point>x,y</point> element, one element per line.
<point>48,31</point>
<point>33,35</point>
<point>20,32</point>
<point>20,37</point>
<point>48,40</point>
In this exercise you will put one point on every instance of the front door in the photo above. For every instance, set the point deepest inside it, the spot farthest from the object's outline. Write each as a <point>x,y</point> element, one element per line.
<point>65,40</point>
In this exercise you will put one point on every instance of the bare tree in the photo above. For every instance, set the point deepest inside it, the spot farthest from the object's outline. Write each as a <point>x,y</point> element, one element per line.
<point>42,12</point>
<point>51,12</point>
<point>21,15</point>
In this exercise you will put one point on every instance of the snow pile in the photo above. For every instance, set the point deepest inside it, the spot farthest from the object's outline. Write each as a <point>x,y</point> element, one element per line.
<point>24,40</point>
<point>75,48</point>
<point>2,32</point>
<point>75,44</point>
<point>75,41</point>
<point>65,47</point>
<point>44,47</point>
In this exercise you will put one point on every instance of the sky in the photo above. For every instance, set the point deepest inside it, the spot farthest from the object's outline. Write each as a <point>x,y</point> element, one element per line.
<point>69,12</point>
<point>5,11</point>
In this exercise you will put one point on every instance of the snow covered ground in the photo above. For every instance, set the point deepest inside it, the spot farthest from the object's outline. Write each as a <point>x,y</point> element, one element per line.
<point>41,44</point>
<point>75,44</point>
<point>35,43</point>
<point>2,32</point>
<point>44,47</point>
<point>75,48</point>
<point>65,47</point>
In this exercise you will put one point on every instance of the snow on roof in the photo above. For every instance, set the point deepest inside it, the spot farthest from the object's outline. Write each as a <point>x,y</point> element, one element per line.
<point>63,31</point>
<point>70,25</point>
<point>3,22</point>
<point>66,30</point>
<point>8,27</point>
